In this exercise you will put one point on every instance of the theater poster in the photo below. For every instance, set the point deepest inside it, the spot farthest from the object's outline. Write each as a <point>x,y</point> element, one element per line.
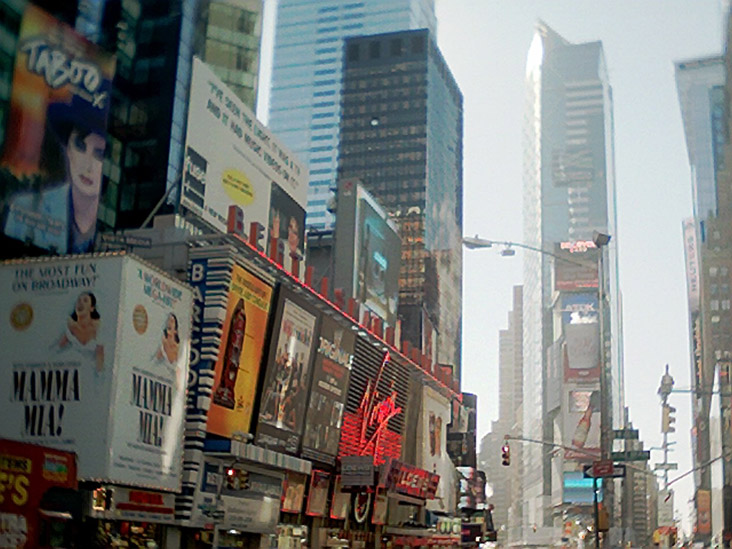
<point>51,164</point>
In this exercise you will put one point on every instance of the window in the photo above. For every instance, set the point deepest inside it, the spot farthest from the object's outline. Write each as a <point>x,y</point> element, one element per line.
<point>712,271</point>
<point>396,46</point>
<point>418,44</point>
<point>375,50</point>
<point>353,52</point>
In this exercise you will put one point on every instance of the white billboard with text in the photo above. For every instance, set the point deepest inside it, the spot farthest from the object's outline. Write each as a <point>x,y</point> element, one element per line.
<point>94,361</point>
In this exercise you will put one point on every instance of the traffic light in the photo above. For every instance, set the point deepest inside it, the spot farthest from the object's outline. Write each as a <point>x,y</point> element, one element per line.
<point>506,454</point>
<point>231,478</point>
<point>667,419</point>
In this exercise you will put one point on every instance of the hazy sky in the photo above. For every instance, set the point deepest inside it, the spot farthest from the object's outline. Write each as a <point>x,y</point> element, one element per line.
<point>485,44</point>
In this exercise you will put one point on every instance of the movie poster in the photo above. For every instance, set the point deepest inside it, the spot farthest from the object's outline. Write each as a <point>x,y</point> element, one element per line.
<point>51,166</point>
<point>331,374</point>
<point>287,381</point>
<point>240,355</point>
<point>318,494</point>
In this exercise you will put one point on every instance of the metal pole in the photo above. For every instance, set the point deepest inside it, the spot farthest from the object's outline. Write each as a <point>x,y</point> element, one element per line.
<point>597,512</point>
<point>604,401</point>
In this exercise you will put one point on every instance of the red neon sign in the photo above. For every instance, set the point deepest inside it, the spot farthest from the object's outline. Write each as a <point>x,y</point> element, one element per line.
<point>366,432</point>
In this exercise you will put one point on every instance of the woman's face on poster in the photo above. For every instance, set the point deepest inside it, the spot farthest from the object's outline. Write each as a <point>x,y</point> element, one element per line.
<point>85,156</point>
<point>171,330</point>
<point>293,238</point>
<point>83,305</point>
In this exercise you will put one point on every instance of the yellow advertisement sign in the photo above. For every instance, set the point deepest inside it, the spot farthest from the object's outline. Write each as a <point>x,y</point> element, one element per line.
<point>240,354</point>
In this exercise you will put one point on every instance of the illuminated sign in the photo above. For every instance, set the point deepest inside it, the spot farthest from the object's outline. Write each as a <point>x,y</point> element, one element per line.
<point>409,480</point>
<point>577,246</point>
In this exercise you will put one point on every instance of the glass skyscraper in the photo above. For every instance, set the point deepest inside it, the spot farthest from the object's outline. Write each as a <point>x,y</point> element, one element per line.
<point>401,135</point>
<point>569,192</point>
<point>306,78</point>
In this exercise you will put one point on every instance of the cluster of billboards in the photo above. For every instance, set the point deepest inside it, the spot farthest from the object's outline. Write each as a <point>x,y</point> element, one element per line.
<point>98,365</point>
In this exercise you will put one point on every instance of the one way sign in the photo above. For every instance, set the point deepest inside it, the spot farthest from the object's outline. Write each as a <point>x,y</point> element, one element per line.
<point>617,471</point>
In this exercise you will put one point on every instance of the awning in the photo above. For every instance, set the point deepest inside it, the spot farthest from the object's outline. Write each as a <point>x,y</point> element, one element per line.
<point>256,454</point>
<point>58,515</point>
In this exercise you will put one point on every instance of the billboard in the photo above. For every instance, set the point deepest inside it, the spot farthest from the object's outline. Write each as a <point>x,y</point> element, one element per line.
<point>317,504</point>
<point>367,251</point>
<point>582,423</point>
<point>377,396</point>
<point>98,360</point>
<point>576,266</point>
<point>51,174</point>
<point>232,159</point>
<point>237,367</point>
<point>432,439</point>
<point>27,473</point>
<point>287,380</point>
<point>581,355</point>
<point>250,499</point>
<point>691,257</point>
<point>331,373</point>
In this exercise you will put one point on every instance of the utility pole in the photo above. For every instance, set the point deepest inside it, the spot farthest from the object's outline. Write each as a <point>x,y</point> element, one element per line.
<point>666,502</point>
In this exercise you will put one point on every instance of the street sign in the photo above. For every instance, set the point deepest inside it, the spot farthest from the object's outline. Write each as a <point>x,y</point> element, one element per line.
<point>666,467</point>
<point>617,471</point>
<point>632,455</point>
<point>626,434</point>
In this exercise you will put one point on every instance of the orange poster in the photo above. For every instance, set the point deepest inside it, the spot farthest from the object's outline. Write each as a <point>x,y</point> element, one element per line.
<point>240,354</point>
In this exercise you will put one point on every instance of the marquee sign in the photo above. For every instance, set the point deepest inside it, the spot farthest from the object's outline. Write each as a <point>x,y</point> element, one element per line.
<point>408,480</point>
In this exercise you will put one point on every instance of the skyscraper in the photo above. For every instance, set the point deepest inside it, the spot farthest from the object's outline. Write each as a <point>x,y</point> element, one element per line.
<point>569,192</point>
<point>708,248</point>
<point>401,135</point>
<point>306,78</point>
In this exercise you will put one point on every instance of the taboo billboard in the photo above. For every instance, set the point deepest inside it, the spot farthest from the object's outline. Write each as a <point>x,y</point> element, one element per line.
<point>97,359</point>
<point>287,380</point>
<point>51,175</point>
<point>240,356</point>
<point>331,373</point>
<point>233,159</point>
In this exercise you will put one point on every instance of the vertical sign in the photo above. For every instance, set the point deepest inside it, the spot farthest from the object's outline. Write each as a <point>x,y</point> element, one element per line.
<point>286,383</point>
<point>55,139</point>
<point>240,354</point>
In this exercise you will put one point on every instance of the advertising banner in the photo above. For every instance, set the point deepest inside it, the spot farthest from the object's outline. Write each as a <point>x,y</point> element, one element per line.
<point>27,472</point>
<point>432,439</point>
<point>318,494</point>
<point>340,502</point>
<point>369,249</point>
<point>242,347</point>
<point>691,257</point>
<point>331,373</point>
<point>286,383</point>
<point>233,159</point>
<point>581,355</point>
<point>377,395</point>
<point>51,166</point>
<point>250,500</point>
<point>152,355</point>
<point>134,505</point>
<point>61,317</point>
<point>578,270</point>
<point>703,512</point>
<point>582,424</point>
<point>294,492</point>
<point>99,360</point>
<point>472,488</point>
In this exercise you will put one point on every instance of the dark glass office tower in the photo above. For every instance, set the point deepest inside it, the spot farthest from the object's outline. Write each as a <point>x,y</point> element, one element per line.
<point>401,134</point>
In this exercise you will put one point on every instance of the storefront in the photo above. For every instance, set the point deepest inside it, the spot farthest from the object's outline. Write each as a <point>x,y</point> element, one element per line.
<point>119,516</point>
<point>39,503</point>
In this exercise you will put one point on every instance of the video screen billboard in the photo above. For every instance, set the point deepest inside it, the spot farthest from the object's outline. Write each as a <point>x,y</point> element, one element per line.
<point>287,379</point>
<point>582,423</point>
<point>98,359</point>
<point>232,159</point>
<point>577,270</point>
<point>51,166</point>
<point>368,251</point>
<point>329,389</point>
<point>236,372</point>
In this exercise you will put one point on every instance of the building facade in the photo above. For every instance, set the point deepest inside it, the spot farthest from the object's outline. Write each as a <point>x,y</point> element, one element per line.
<point>401,135</point>
<point>569,193</point>
<point>307,78</point>
<point>701,89</point>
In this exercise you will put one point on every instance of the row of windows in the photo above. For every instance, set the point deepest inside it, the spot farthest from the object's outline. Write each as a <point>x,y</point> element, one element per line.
<point>377,81</point>
<point>396,48</point>
<point>370,106</point>
<point>723,271</point>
